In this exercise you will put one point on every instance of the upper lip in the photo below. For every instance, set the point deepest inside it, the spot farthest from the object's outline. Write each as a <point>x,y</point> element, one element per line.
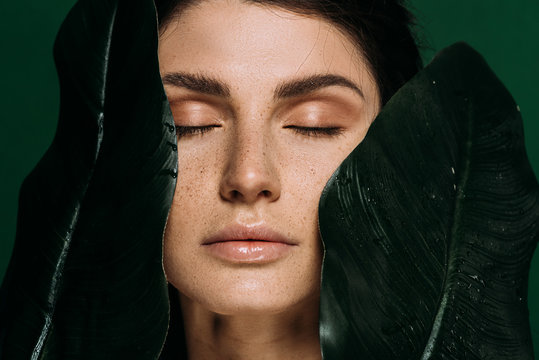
<point>237,232</point>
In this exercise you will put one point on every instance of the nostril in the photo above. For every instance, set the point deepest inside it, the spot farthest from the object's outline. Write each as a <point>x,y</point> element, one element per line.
<point>235,194</point>
<point>266,193</point>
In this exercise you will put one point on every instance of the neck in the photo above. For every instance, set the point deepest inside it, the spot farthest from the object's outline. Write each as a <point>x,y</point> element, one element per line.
<point>292,334</point>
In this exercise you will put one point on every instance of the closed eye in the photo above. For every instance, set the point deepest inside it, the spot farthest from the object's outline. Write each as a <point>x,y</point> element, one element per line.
<point>193,130</point>
<point>316,131</point>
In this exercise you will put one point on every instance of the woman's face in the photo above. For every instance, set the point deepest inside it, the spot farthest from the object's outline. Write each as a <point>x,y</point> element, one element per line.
<point>267,104</point>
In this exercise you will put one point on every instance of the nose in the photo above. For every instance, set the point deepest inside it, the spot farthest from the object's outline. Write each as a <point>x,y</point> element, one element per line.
<point>249,174</point>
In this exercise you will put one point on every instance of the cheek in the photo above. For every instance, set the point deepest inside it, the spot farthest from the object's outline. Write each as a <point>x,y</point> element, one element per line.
<point>305,174</point>
<point>192,207</point>
<point>198,173</point>
<point>187,197</point>
<point>312,167</point>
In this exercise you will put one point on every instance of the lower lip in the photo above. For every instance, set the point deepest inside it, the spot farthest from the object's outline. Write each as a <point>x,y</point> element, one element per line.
<point>251,252</point>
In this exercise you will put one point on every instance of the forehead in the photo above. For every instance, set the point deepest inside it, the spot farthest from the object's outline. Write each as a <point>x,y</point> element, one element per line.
<point>229,38</point>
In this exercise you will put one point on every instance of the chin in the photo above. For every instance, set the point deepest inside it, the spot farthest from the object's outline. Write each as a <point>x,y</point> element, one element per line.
<point>250,291</point>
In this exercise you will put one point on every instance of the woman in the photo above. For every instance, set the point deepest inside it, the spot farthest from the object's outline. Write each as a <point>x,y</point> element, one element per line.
<point>267,101</point>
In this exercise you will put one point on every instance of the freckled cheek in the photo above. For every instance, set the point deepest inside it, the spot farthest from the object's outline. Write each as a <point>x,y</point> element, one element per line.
<point>307,176</point>
<point>197,174</point>
<point>192,177</point>
<point>195,193</point>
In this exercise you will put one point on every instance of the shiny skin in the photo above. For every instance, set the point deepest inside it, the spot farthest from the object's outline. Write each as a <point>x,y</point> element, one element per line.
<point>253,160</point>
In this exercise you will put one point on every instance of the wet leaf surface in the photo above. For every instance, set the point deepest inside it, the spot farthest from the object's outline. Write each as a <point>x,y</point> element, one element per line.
<point>430,224</point>
<point>85,280</point>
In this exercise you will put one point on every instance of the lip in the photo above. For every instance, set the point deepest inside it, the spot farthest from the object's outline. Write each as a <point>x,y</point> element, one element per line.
<point>248,244</point>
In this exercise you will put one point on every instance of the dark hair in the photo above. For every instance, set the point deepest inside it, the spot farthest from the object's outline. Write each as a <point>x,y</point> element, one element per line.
<point>381,28</point>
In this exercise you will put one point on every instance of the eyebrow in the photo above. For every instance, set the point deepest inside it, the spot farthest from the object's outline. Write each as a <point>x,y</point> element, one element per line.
<point>293,88</point>
<point>312,83</point>
<point>198,83</point>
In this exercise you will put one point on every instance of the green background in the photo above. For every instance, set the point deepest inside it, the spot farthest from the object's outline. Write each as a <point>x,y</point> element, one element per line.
<point>505,32</point>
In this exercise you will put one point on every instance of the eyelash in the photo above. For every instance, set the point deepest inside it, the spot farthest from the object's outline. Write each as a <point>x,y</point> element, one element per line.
<point>193,130</point>
<point>316,131</point>
<point>307,131</point>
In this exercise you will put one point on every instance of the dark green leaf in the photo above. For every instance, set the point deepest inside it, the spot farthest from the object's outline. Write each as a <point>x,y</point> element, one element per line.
<point>86,280</point>
<point>430,224</point>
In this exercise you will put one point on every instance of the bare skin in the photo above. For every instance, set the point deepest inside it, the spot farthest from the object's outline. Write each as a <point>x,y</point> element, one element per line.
<point>292,334</point>
<point>267,104</point>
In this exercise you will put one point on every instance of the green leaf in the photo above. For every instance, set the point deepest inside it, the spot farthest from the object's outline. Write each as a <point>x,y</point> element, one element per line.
<point>430,224</point>
<point>86,279</point>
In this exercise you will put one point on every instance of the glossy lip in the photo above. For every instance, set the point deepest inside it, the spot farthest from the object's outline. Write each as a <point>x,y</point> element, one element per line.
<point>248,244</point>
<point>253,233</point>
